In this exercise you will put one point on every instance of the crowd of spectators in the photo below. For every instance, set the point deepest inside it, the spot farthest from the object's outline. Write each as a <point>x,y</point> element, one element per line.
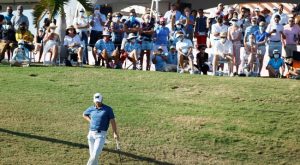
<point>180,41</point>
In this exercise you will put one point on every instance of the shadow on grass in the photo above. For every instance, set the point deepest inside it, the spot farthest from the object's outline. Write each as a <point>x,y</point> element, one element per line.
<point>79,145</point>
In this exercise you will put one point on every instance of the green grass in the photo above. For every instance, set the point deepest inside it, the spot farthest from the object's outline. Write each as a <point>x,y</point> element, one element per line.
<point>163,118</point>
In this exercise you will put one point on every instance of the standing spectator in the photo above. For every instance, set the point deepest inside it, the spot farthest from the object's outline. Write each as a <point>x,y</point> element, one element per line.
<point>132,25</point>
<point>19,18</point>
<point>159,60</point>
<point>292,35</point>
<point>251,51</point>
<point>266,14</point>
<point>97,21</point>
<point>283,16</point>
<point>188,20</point>
<point>38,42</point>
<point>146,34</point>
<point>275,31</point>
<point>201,28</point>
<point>275,65</point>
<point>161,35</point>
<point>184,48</point>
<point>251,29</point>
<point>178,28</point>
<point>99,116</point>
<point>108,22</point>
<point>81,24</point>
<point>117,30</point>
<point>261,37</point>
<point>9,14</point>
<point>217,29</point>
<point>73,44</point>
<point>258,16</point>
<point>235,36</point>
<point>172,16</point>
<point>223,50</point>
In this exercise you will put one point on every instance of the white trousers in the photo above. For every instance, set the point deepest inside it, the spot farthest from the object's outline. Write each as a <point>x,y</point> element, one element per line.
<point>96,143</point>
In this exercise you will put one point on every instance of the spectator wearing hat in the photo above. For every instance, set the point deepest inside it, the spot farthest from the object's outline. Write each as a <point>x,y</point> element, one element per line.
<point>201,28</point>
<point>261,37</point>
<point>97,21</point>
<point>38,39</point>
<point>117,30</point>
<point>223,50</point>
<point>283,16</point>
<point>291,32</point>
<point>159,60</point>
<point>188,20</point>
<point>172,56</point>
<point>99,117</point>
<point>131,50</point>
<point>161,35</point>
<point>251,29</point>
<point>275,30</point>
<point>146,33</point>
<point>184,48</point>
<point>20,18</point>
<point>24,34</point>
<point>172,16</point>
<point>51,42</point>
<point>275,65</point>
<point>105,50</point>
<point>258,15</point>
<point>72,42</point>
<point>235,36</point>
<point>82,27</point>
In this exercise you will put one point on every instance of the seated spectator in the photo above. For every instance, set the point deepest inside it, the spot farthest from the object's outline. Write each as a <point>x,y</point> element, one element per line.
<point>131,50</point>
<point>24,34</point>
<point>51,42</point>
<point>184,48</point>
<point>8,40</point>
<point>202,58</point>
<point>72,42</point>
<point>20,55</point>
<point>159,60</point>
<point>275,65</point>
<point>38,42</point>
<point>172,56</point>
<point>223,50</point>
<point>105,50</point>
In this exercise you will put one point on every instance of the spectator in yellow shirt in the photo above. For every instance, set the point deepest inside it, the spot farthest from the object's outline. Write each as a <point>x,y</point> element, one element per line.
<point>24,34</point>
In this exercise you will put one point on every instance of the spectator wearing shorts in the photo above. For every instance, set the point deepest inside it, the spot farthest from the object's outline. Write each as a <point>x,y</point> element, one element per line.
<point>72,42</point>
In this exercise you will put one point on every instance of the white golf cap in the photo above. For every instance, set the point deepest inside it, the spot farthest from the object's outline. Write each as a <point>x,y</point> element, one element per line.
<point>97,98</point>
<point>257,9</point>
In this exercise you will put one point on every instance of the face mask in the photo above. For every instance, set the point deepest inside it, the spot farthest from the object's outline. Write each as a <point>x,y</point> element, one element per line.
<point>97,12</point>
<point>251,40</point>
<point>223,40</point>
<point>178,26</point>
<point>181,38</point>
<point>52,30</point>
<point>276,56</point>
<point>234,23</point>
<point>132,40</point>
<point>261,29</point>
<point>246,20</point>
<point>81,14</point>
<point>131,18</point>
<point>20,12</point>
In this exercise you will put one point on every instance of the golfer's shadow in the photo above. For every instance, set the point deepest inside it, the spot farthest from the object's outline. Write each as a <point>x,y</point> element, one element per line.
<point>79,145</point>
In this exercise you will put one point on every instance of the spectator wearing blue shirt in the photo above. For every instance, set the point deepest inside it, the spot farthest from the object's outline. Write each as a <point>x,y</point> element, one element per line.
<point>161,35</point>
<point>275,64</point>
<point>131,50</point>
<point>251,29</point>
<point>117,30</point>
<point>188,21</point>
<point>9,14</point>
<point>261,37</point>
<point>172,56</point>
<point>105,49</point>
<point>160,60</point>
<point>99,116</point>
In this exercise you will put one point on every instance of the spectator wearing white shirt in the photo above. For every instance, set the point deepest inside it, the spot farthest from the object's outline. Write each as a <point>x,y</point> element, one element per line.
<point>223,50</point>
<point>184,48</point>
<point>275,31</point>
<point>81,24</point>
<point>217,29</point>
<point>172,16</point>
<point>292,34</point>
<point>72,42</point>
<point>283,17</point>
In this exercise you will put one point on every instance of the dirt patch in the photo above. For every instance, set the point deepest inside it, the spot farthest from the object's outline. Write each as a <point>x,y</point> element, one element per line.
<point>194,121</point>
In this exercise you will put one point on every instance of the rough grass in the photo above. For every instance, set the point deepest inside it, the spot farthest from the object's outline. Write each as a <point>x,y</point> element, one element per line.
<point>163,118</point>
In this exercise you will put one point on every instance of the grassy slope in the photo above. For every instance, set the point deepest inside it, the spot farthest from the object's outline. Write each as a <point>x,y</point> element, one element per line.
<point>163,117</point>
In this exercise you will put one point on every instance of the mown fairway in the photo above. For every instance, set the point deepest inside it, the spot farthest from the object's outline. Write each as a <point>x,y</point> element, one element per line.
<point>163,118</point>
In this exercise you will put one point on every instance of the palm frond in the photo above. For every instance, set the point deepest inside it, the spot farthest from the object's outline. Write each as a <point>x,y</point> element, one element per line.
<point>38,12</point>
<point>87,4</point>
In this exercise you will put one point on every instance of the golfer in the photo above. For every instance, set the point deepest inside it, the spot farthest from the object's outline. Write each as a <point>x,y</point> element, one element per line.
<point>99,116</point>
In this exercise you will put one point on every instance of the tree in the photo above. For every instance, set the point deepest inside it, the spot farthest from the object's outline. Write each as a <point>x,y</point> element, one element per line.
<point>55,7</point>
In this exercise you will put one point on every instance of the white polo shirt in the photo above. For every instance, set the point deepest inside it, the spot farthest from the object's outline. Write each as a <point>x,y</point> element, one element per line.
<point>225,48</point>
<point>184,45</point>
<point>69,40</point>
<point>274,36</point>
<point>81,22</point>
<point>216,28</point>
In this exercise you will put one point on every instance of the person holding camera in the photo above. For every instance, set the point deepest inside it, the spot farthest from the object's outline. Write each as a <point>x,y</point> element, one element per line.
<point>275,31</point>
